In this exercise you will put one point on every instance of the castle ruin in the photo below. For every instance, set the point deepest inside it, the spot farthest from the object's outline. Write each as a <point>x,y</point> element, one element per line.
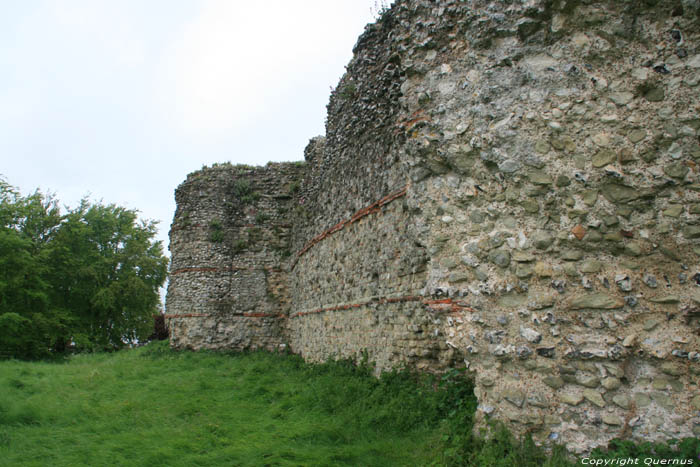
<point>511,186</point>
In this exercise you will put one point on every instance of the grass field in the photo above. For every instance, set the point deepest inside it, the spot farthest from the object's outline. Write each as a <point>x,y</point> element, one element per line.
<point>152,406</point>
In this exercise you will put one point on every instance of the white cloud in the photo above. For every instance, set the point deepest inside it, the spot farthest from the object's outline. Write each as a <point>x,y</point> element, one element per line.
<point>235,58</point>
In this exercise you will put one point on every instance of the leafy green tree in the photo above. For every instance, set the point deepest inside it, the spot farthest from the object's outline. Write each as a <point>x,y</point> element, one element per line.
<point>27,325</point>
<point>88,278</point>
<point>107,272</point>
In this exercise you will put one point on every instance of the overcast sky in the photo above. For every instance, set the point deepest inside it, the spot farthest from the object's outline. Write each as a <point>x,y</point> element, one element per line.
<point>121,99</point>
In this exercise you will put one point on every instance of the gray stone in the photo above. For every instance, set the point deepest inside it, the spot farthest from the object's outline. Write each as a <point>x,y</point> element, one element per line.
<point>655,94</point>
<point>514,396</point>
<point>571,399</point>
<point>691,231</point>
<point>672,369</point>
<point>537,400</point>
<point>530,335</point>
<point>663,399</point>
<point>636,136</point>
<point>509,166</point>
<point>554,382</point>
<point>641,399</point>
<point>571,255</point>
<point>540,178</point>
<point>500,258</point>
<point>523,270</point>
<point>620,193</point>
<point>676,170</point>
<point>594,397</point>
<point>610,419</point>
<point>459,276</point>
<point>481,273</point>
<point>621,98</point>
<point>542,240</point>
<point>588,381</point>
<point>603,158</point>
<point>591,266</point>
<point>695,402</point>
<point>665,299</point>
<point>621,400</point>
<point>650,281</point>
<point>611,383</point>
<point>600,301</point>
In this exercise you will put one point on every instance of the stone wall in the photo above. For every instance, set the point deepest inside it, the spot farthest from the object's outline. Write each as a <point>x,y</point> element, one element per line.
<point>511,186</point>
<point>229,241</point>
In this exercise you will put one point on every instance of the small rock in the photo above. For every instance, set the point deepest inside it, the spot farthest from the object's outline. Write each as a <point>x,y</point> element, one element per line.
<point>543,269</point>
<point>500,258</point>
<point>591,266</point>
<point>621,400</point>
<point>537,400</point>
<point>611,383</point>
<point>636,136</point>
<point>554,382</point>
<point>676,170</point>
<point>530,335</point>
<point>594,397</point>
<point>523,352</point>
<point>655,94</point>
<point>559,286</point>
<point>457,277</point>
<point>603,158</point>
<point>514,396</point>
<point>671,369</point>
<point>571,399</point>
<point>547,352</point>
<point>650,324</point>
<point>624,283</point>
<point>596,301</point>
<point>579,231</point>
<point>641,399</point>
<point>695,402</point>
<point>650,281</point>
<point>523,257</point>
<point>621,98</point>
<point>571,255</point>
<point>542,240</point>
<point>588,381</point>
<point>610,419</point>
<point>665,299</point>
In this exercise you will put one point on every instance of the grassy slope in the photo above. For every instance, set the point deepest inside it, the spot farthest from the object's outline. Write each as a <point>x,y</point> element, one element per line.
<point>152,406</point>
<point>143,407</point>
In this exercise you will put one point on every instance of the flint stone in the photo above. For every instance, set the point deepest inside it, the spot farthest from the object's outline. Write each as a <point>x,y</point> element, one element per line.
<point>611,383</point>
<point>554,382</point>
<point>610,419</point>
<point>530,335</point>
<point>542,240</point>
<point>594,397</point>
<point>571,399</point>
<point>514,396</point>
<point>622,400</point>
<point>599,301</point>
<point>588,381</point>
<point>665,300</point>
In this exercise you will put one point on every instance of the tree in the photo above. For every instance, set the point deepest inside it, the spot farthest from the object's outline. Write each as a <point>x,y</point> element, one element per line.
<point>28,327</point>
<point>87,279</point>
<point>108,272</point>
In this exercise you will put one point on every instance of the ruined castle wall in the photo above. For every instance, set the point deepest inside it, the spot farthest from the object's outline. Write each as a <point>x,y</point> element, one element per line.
<point>556,168</point>
<point>229,239</point>
<point>511,186</point>
<point>360,267</point>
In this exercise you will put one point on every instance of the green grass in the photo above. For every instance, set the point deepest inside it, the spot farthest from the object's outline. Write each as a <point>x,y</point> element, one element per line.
<point>152,406</point>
